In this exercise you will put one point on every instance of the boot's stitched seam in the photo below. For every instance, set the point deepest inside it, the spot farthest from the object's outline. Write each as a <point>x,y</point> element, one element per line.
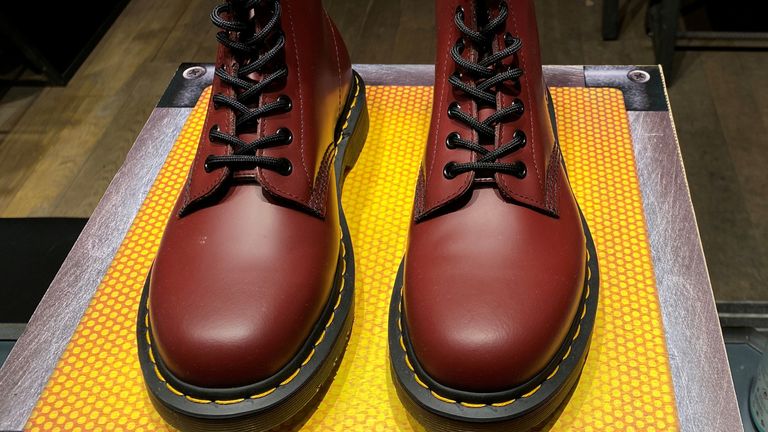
<point>441,398</point>
<point>338,141</point>
<point>299,84</point>
<point>316,200</point>
<point>259,395</point>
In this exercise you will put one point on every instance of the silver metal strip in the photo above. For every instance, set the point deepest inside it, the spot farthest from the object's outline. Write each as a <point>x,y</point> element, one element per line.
<point>33,358</point>
<point>701,377</point>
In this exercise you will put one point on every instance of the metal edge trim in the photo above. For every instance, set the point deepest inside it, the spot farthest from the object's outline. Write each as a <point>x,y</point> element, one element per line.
<point>704,392</point>
<point>36,353</point>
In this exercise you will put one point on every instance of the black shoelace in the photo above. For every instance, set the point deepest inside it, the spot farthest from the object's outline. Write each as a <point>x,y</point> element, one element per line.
<point>249,45</point>
<point>488,76</point>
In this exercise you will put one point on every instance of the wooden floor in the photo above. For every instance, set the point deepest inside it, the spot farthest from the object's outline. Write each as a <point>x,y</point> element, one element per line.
<point>60,147</point>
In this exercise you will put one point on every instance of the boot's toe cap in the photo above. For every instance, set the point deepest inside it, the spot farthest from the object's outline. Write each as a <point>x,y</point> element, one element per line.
<point>486,349</point>
<point>236,289</point>
<point>218,346</point>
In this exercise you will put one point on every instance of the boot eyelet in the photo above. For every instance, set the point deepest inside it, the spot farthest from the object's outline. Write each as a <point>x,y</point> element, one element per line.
<point>453,108</point>
<point>207,167</point>
<point>522,170</point>
<point>285,132</point>
<point>521,105</point>
<point>286,168</point>
<point>521,135</point>
<point>448,171</point>
<point>286,101</point>
<point>214,128</point>
<point>509,40</point>
<point>460,45</point>
<point>460,11</point>
<point>452,137</point>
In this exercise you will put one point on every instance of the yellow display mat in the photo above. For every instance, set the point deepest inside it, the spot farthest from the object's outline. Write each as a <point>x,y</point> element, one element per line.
<point>626,383</point>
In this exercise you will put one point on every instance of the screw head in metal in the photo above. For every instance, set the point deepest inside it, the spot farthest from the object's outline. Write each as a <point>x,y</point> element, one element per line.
<point>194,72</point>
<point>639,76</point>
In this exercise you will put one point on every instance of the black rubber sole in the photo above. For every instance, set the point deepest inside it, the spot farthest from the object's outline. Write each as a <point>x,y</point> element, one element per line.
<point>285,397</point>
<point>530,406</point>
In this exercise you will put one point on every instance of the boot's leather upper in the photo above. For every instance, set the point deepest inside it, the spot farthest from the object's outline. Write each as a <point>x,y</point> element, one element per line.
<point>495,261</point>
<point>248,258</point>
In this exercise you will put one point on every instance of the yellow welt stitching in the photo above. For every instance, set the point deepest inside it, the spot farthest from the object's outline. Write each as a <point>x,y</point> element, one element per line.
<point>173,390</point>
<point>530,393</point>
<point>567,353</point>
<point>503,404</point>
<point>351,108</point>
<point>320,339</point>
<point>444,399</point>
<point>420,382</point>
<point>290,378</point>
<point>311,354</point>
<point>196,400</point>
<point>554,372</point>
<point>408,363</point>
<point>159,376</point>
<point>261,395</point>
<point>471,405</point>
<point>229,402</point>
<point>578,330</point>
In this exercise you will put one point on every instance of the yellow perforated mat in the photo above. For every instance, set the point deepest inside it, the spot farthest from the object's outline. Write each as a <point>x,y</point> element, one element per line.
<point>626,383</point>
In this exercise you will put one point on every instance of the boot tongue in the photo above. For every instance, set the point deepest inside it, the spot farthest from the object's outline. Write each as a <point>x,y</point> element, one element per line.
<point>484,12</point>
<point>258,17</point>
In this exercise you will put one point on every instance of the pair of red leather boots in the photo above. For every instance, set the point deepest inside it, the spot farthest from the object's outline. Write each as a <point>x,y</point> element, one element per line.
<point>250,300</point>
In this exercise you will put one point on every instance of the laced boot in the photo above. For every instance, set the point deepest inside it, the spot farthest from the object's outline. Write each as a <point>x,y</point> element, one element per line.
<point>492,312</point>
<point>249,302</point>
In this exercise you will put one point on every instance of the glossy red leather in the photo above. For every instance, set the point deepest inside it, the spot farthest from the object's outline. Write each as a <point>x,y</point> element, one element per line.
<point>492,281</point>
<point>240,280</point>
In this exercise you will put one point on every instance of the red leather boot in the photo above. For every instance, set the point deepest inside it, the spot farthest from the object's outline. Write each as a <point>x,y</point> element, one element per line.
<point>249,302</point>
<point>494,304</point>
